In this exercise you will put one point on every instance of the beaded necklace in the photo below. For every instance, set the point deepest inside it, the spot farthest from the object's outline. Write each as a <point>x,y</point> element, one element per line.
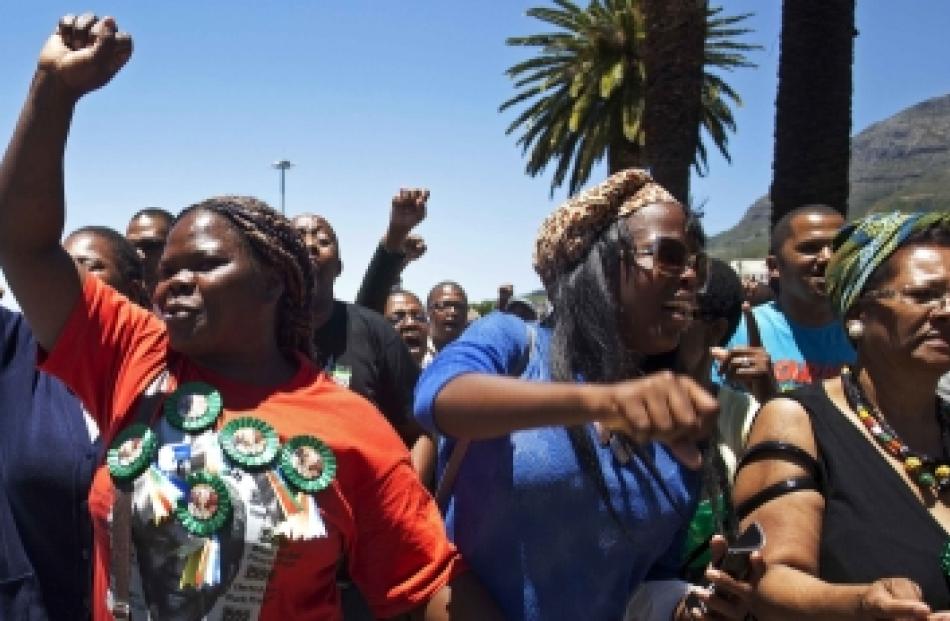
<point>924,470</point>
<point>928,472</point>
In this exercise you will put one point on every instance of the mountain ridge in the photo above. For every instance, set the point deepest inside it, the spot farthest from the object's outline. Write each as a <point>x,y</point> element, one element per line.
<point>899,163</point>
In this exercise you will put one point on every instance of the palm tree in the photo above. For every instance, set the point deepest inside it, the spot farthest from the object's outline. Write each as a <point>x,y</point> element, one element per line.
<point>586,91</point>
<point>673,57</point>
<point>813,106</point>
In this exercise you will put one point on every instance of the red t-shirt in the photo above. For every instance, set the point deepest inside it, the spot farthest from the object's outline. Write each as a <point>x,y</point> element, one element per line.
<point>377,514</point>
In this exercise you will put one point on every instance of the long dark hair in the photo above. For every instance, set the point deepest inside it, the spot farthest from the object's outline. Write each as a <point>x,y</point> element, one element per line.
<point>585,340</point>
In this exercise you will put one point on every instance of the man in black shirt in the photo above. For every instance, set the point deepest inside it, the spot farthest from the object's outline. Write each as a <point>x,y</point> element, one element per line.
<point>357,347</point>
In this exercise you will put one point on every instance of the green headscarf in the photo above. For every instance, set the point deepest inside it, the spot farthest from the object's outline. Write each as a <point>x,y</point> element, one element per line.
<point>863,245</point>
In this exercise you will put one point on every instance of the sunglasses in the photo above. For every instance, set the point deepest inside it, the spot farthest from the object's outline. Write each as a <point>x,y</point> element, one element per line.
<point>671,257</point>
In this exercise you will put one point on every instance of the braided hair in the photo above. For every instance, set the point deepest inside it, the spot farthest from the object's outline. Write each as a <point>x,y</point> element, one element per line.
<point>276,244</point>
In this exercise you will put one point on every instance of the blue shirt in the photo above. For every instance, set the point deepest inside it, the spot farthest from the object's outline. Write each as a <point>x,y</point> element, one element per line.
<point>529,520</point>
<point>800,354</point>
<point>47,458</point>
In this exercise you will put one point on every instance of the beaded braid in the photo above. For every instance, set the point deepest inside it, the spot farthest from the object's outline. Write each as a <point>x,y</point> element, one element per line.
<point>277,244</point>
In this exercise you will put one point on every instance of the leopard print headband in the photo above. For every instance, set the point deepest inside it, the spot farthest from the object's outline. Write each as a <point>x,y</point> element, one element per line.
<point>567,234</point>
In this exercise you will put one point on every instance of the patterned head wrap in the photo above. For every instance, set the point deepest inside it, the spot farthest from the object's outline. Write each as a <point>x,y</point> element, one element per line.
<point>567,234</point>
<point>860,247</point>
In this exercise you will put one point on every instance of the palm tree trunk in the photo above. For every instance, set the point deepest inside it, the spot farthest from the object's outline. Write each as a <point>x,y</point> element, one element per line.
<point>623,154</point>
<point>813,106</point>
<point>673,55</point>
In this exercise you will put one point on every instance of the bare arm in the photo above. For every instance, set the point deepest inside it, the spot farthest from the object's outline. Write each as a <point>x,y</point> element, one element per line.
<point>81,56</point>
<point>396,249</point>
<point>790,588</point>
<point>463,599</point>
<point>665,407</point>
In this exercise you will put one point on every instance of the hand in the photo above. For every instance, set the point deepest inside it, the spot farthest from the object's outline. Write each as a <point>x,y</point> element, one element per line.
<point>749,368</point>
<point>413,247</point>
<point>85,52</point>
<point>409,209</point>
<point>893,598</point>
<point>672,409</point>
<point>728,597</point>
<point>505,293</point>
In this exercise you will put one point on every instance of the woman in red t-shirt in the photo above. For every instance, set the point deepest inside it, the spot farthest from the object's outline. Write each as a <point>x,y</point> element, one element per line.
<point>238,476</point>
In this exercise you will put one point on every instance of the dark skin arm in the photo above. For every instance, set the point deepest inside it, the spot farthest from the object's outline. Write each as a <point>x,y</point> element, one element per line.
<point>463,599</point>
<point>82,55</point>
<point>672,409</point>
<point>790,588</point>
<point>396,249</point>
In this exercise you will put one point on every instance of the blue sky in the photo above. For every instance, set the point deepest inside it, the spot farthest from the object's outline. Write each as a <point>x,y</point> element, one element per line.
<point>365,97</point>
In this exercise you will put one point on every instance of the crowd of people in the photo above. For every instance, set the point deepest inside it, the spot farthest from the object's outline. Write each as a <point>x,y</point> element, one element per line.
<point>193,425</point>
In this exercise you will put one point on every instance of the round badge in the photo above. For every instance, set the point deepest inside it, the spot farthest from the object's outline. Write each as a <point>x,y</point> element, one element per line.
<point>193,407</point>
<point>206,506</point>
<point>307,463</point>
<point>250,442</point>
<point>131,452</point>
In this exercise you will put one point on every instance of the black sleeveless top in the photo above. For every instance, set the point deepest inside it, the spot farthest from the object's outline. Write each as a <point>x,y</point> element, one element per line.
<point>873,525</point>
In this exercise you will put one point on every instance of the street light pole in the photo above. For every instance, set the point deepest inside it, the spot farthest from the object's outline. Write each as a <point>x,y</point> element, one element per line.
<point>283,166</point>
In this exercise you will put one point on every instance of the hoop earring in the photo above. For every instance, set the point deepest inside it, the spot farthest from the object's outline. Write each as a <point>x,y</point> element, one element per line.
<point>855,328</point>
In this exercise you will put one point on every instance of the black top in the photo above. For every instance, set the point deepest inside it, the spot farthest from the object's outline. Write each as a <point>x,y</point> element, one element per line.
<point>360,350</point>
<point>874,526</point>
<point>48,461</point>
<point>382,274</point>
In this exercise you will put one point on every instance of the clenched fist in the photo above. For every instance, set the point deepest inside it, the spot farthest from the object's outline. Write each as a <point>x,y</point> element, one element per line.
<point>85,52</point>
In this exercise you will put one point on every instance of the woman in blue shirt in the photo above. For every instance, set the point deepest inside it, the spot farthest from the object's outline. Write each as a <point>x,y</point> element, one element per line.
<point>576,490</point>
<point>48,452</point>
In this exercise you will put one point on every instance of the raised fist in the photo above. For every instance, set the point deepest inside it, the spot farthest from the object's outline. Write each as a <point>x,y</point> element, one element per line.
<point>85,52</point>
<point>409,208</point>
<point>413,247</point>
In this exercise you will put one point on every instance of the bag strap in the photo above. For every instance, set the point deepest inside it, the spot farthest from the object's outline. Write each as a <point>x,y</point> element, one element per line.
<point>444,489</point>
<point>752,329</point>
<point>121,529</point>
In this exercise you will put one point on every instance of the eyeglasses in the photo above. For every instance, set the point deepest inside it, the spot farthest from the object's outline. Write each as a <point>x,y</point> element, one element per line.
<point>671,257</point>
<point>397,317</point>
<point>924,297</point>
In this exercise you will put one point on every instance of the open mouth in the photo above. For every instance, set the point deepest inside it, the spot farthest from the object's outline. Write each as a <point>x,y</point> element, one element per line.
<point>818,282</point>
<point>679,309</point>
<point>936,339</point>
<point>413,340</point>
<point>176,311</point>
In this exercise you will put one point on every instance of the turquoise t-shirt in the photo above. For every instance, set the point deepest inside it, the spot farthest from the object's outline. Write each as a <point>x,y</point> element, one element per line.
<point>800,354</point>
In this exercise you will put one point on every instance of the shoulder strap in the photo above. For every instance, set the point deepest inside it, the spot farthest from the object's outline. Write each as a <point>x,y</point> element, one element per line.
<point>752,329</point>
<point>444,489</point>
<point>121,529</point>
<point>447,482</point>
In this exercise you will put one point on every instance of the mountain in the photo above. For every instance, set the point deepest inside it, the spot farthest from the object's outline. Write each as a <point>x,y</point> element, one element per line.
<point>902,162</point>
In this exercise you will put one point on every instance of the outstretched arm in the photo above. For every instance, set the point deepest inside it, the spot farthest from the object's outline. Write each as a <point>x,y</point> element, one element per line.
<point>82,55</point>
<point>396,249</point>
